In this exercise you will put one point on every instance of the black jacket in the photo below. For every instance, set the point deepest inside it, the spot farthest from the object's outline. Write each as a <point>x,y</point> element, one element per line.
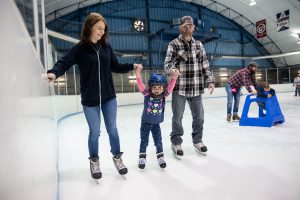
<point>89,58</point>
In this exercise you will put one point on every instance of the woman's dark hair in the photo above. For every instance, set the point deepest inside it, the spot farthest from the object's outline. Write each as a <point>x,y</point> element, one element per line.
<point>86,32</point>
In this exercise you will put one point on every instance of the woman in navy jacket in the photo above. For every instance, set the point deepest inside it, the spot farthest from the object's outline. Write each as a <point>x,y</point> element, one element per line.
<point>96,61</point>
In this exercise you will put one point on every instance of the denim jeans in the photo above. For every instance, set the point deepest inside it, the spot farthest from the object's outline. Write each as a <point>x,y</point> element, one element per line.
<point>92,115</point>
<point>230,96</point>
<point>262,105</point>
<point>178,107</point>
<point>156,134</point>
<point>297,91</point>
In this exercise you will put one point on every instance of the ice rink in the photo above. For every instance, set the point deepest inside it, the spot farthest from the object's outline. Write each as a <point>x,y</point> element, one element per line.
<point>44,154</point>
<point>242,163</point>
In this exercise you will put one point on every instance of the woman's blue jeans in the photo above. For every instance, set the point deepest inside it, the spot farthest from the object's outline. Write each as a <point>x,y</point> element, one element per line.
<point>92,115</point>
<point>230,96</point>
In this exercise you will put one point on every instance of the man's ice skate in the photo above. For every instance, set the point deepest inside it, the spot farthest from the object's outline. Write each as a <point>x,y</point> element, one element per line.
<point>228,119</point>
<point>95,168</point>
<point>142,160</point>
<point>201,148</point>
<point>161,161</point>
<point>177,151</point>
<point>119,164</point>
<point>236,118</point>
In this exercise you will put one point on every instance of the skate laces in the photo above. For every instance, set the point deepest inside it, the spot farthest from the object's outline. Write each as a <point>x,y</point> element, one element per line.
<point>119,163</point>
<point>95,166</point>
<point>142,161</point>
<point>199,145</point>
<point>177,147</point>
<point>161,160</point>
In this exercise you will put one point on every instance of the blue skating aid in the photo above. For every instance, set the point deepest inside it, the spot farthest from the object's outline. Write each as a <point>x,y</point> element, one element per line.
<point>271,117</point>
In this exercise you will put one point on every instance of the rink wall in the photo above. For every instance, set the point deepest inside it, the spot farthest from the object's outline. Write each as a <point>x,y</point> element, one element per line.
<point>67,105</point>
<point>137,98</point>
<point>28,135</point>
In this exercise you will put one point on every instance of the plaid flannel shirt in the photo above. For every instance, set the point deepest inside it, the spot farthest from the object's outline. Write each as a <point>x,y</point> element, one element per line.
<point>192,63</point>
<point>242,78</point>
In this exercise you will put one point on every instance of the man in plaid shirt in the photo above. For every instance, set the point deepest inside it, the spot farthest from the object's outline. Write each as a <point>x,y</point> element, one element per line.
<point>187,57</point>
<point>244,77</point>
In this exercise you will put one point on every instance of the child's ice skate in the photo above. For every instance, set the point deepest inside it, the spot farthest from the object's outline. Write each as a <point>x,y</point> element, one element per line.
<point>142,160</point>
<point>161,161</point>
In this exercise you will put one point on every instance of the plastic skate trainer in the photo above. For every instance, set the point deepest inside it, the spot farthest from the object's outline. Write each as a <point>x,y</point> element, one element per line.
<point>271,117</point>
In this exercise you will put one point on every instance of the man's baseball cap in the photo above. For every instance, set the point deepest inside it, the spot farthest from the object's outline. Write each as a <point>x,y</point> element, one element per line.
<point>252,63</point>
<point>186,20</point>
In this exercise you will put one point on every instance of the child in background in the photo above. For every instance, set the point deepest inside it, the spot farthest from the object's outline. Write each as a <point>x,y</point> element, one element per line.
<point>153,113</point>
<point>264,91</point>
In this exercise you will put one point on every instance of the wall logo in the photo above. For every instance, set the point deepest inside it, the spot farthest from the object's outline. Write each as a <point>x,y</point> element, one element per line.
<point>261,29</point>
<point>283,20</point>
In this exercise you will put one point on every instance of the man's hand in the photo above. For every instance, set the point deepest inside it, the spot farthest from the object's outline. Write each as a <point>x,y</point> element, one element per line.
<point>254,92</point>
<point>211,88</point>
<point>175,73</point>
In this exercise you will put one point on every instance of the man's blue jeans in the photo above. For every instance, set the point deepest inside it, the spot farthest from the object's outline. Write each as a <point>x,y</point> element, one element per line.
<point>297,91</point>
<point>92,115</point>
<point>230,96</point>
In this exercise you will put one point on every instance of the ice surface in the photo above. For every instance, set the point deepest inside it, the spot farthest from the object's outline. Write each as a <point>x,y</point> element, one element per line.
<point>242,162</point>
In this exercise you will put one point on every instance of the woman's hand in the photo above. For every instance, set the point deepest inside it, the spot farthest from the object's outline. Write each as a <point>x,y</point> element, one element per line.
<point>50,77</point>
<point>139,66</point>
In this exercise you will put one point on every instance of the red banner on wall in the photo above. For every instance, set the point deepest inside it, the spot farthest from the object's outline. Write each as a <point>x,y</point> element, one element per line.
<point>261,29</point>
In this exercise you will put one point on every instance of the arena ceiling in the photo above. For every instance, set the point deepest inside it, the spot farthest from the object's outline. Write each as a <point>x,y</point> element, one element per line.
<point>238,10</point>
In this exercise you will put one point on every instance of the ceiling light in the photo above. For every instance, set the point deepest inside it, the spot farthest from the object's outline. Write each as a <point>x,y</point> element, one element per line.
<point>252,3</point>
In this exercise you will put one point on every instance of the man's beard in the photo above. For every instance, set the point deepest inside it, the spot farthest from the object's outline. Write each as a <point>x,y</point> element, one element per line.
<point>252,72</point>
<point>187,37</point>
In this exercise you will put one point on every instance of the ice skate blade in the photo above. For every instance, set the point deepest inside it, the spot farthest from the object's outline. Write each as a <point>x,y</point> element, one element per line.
<point>97,181</point>
<point>200,152</point>
<point>176,156</point>
<point>123,171</point>
<point>162,168</point>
